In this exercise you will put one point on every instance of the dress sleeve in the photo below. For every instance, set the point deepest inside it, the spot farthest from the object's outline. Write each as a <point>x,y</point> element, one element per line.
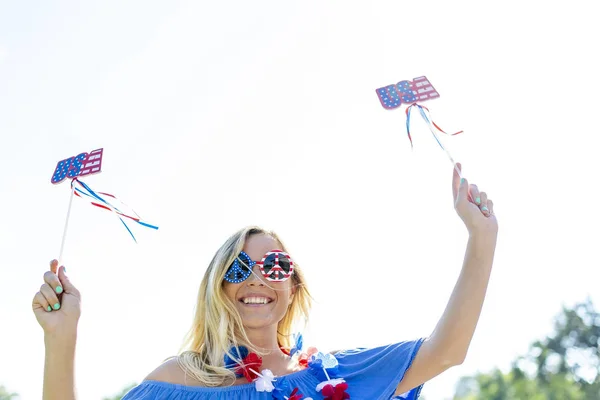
<point>375,373</point>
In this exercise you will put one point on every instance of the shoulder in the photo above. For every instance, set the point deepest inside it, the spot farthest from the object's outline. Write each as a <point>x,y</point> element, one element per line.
<point>170,372</point>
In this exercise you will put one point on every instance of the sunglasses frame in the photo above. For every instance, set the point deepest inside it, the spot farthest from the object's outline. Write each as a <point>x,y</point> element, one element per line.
<point>245,259</point>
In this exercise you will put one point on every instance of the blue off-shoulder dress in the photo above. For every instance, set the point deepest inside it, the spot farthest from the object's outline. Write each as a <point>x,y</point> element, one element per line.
<point>371,374</point>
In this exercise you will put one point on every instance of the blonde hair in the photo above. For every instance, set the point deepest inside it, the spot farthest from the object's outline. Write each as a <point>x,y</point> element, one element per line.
<point>218,326</point>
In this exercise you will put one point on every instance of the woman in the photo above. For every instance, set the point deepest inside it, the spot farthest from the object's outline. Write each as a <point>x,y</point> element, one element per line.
<point>240,345</point>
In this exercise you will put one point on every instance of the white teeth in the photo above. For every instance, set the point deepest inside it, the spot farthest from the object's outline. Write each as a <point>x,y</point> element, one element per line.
<point>255,300</point>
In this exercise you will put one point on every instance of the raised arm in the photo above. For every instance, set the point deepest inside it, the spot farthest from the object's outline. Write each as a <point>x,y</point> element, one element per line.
<point>57,309</point>
<point>448,344</point>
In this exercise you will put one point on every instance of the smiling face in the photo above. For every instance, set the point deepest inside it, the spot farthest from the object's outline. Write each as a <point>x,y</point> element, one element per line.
<point>261,303</point>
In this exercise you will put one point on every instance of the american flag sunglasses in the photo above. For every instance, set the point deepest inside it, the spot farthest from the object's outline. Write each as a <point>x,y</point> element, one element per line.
<point>275,266</point>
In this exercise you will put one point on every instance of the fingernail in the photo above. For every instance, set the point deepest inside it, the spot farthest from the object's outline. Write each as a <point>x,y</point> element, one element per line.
<point>59,289</point>
<point>462,180</point>
<point>49,308</point>
<point>484,208</point>
<point>65,270</point>
<point>478,200</point>
<point>56,306</point>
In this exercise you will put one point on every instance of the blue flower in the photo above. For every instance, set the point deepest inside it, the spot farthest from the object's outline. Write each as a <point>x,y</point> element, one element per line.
<point>241,352</point>
<point>299,342</point>
<point>282,390</point>
<point>316,365</point>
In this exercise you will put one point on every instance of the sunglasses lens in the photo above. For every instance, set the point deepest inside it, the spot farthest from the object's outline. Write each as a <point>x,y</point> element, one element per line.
<point>277,267</point>
<point>239,270</point>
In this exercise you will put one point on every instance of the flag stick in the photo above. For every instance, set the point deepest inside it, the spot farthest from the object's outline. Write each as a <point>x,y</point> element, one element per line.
<point>62,244</point>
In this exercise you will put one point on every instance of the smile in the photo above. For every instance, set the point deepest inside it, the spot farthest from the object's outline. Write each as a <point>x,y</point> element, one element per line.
<point>255,300</point>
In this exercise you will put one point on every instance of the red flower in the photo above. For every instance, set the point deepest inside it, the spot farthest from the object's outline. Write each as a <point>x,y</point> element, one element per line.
<point>336,393</point>
<point>303,360</point>
<point>304,357</point>
<point>295,395</point>
<point>251,362</point>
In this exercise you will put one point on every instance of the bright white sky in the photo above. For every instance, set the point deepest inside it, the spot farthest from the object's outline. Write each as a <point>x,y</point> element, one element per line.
<point>215,115</point>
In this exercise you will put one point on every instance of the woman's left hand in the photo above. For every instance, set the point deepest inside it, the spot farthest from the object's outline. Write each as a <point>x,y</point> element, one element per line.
<point>474,207</point>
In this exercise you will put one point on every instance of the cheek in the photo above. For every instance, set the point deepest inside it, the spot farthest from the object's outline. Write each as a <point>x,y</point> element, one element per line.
<point>230,290</point>
<point>282,307</point>
<point>286,295</point>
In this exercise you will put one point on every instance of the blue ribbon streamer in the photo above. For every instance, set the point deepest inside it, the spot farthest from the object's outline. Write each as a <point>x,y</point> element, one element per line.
<point>90,193</point>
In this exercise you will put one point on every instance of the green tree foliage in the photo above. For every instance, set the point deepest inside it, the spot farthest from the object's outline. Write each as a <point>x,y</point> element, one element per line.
<point>123,393</point>
<point>564,365</point>
<point>5,395</point>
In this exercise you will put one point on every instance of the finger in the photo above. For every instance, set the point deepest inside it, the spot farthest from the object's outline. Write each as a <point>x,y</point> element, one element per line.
<point>50,296</point>
<point>463,194</point>
<point>456,180</point>
<point>66,282</point>
<point>475,196</point>
<point>52,280</point>
<point>40,301</point>
<point>490,205</point>
<point>484,204</point>
<point>53,265</point>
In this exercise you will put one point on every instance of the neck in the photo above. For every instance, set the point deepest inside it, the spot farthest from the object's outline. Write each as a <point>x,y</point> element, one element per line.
<point>273,358</point>
<point>264,339</point>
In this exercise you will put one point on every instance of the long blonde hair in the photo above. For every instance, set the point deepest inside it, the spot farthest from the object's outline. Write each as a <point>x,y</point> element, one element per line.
<point>218,326</point>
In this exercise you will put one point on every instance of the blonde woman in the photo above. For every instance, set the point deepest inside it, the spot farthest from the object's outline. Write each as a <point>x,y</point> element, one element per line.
<point>241,342</point>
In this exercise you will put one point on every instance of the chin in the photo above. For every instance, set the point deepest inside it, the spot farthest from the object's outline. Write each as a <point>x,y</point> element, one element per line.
<point>256,324</point>
<point>258,319</point>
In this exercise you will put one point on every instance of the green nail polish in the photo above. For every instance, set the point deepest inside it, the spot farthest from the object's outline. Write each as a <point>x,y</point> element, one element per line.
<point>478,200</point>
<point>462,180</point>
<point>56,306</point>
<point>49,308</point>
<point>484,208</point>
<point>59,289</point>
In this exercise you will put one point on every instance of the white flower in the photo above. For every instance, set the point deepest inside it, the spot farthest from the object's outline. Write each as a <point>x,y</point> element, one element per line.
<point>264,382</point>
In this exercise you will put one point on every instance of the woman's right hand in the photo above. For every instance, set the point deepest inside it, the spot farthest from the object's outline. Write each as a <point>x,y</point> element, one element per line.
<point>57,306</point>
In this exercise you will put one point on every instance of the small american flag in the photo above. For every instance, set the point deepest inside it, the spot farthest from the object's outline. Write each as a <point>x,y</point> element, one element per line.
<point>78,166</point>
<point>406,92</point>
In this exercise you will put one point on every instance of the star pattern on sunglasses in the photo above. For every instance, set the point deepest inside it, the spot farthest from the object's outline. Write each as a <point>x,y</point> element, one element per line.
<point>240,269</point>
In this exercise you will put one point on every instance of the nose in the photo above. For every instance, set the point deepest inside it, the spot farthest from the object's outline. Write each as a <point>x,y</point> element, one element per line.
<point>255,278</point>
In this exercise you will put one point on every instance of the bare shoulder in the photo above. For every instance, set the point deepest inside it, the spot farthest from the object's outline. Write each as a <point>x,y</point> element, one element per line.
<point>170,372</point>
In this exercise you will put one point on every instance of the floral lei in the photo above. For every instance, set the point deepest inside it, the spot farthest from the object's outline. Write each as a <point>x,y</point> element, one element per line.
<point>265,381</point>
